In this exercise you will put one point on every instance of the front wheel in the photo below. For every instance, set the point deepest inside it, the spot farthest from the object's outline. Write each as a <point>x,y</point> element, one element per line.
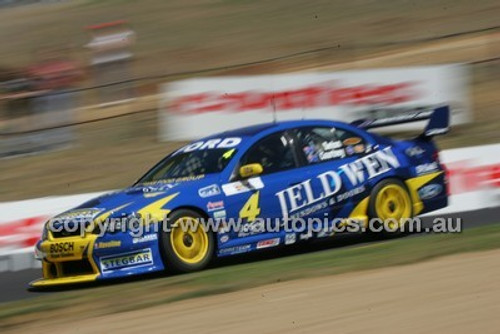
<point>391,206</point>
<point>186,246</point>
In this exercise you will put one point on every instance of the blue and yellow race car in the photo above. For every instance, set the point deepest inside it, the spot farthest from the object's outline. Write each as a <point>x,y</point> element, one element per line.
<point>249,189</point>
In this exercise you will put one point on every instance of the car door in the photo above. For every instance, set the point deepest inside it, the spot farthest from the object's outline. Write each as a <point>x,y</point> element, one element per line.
<point>253,201</point>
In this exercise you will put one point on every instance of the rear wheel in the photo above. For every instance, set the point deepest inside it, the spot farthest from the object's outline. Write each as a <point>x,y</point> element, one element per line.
<point>186,246</point>
<point>391,204</point>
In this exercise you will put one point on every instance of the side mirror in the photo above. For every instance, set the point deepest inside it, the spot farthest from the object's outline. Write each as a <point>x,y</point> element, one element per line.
<point>250,170</point>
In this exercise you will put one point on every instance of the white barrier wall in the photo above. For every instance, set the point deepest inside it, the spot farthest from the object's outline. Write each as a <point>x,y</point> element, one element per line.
<point>474,175</point>
<point>194,108</point>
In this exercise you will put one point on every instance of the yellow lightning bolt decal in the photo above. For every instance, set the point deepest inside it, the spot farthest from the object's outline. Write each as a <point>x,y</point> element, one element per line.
<point>155,210</point>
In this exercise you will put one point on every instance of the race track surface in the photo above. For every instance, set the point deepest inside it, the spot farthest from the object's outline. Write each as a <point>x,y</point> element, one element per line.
<point>455,294</point>
<point>14,285</point>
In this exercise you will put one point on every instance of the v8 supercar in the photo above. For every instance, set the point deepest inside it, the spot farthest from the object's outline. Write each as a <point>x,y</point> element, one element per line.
<point>280,171</point>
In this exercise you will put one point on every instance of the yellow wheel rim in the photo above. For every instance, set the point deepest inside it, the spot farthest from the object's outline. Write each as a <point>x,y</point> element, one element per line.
<point>188,240</point>
<point>393,205</point>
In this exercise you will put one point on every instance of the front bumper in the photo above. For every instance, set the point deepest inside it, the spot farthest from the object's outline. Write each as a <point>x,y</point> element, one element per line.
<point>67,261</point>
<point>77,259</point>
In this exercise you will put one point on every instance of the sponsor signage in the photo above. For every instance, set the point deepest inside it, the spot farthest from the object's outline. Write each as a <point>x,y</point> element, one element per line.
<point>199,107</point>
<point>268,243</point>
<point>209,191</point>
<point>357,172</point>
<point>135,259</point>
<point>430,191</point>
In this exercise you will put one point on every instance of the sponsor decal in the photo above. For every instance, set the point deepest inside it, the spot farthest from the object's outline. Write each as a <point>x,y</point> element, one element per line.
<point>349,150</point>
<point>235,250</point>
<point>360,148</point>
<point>80,214</point>
<point>290,238</point>
<point>430,191</point>
<point>62,247</point>
<point>220,214</point>
<point>185,178</point>
<point>305,236</point>
<point>240,187</point>
<point>212,206</point>
<point>152,188</point>
<point>108,244</point>
<point>136,259</point>
<point>268,243</point>
<point>333,154</point>
<point>426,168</point>
<point>151,195</point>
<point>331,145</point>
<point>326,151</point>
<point>302,195</point>
<point>348,194</point>
<point>209,191</point>
<point>252,228</point>
<point>228,142</point>
<point>352,141</point>
<point>325,233</point>
<point>414,151</point>
<point>312,209</point>
<point>145,238</point>
<point>224,238</point>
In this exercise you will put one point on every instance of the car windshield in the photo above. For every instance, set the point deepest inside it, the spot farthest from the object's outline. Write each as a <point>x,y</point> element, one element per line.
<point>190,165</point>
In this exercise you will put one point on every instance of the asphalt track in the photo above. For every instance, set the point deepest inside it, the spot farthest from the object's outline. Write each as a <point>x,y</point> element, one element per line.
<point>14,285</point>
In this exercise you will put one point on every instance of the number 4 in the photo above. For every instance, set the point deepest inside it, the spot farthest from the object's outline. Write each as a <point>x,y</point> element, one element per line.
<point>251,209</point>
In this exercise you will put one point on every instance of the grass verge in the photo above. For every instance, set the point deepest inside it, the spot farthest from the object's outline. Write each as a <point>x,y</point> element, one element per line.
<point>101,300</point>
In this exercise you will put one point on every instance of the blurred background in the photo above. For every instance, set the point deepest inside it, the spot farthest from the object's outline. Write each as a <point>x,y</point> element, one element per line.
<point>81,81</point>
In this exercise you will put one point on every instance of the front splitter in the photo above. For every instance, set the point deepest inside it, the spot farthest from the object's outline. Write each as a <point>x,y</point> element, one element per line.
<point>46,282</point>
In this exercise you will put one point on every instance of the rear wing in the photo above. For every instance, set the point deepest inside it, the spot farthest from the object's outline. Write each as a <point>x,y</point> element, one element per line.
<point>439,121</point>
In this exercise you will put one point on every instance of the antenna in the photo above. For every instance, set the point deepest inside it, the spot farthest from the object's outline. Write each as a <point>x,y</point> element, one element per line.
<point>274,108</point>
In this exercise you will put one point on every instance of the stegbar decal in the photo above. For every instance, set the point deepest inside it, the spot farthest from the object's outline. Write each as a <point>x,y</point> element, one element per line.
<point>142,257</point>
<point>239,187</point>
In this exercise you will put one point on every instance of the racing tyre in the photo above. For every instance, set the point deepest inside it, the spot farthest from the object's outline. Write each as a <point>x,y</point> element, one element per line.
<point>389,208</point>
<point>186,246</point>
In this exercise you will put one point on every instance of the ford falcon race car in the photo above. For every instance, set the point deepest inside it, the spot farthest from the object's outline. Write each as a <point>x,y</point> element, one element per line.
<point>282,171</point>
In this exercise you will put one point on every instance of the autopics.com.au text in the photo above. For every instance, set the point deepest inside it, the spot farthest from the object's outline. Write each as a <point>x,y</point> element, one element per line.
<point>139,226</point>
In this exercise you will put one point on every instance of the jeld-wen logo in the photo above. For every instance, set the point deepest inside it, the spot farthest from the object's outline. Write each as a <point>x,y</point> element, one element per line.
<point>302,195</point>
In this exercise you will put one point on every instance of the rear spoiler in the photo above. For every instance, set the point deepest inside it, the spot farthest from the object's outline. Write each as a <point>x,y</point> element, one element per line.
<point>439,121</point>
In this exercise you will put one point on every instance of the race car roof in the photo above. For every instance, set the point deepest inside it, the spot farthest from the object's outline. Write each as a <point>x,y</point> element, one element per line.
<point>250,131</point>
